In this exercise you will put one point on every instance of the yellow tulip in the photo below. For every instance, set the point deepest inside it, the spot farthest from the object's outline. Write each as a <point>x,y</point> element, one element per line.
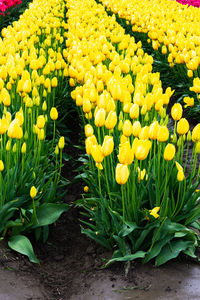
<point>141,149</point>
<point>121,173</point>
<point>176,111</point>
<point>54,113</point>
<point>127,128</point>
<point>97,153</point>
<point>33,192</point>
<point>163,134</point>
<point>169,152</point>
<point>182,126</point>
<point>40,121</point>
<point>108,145</point>
<point>100,117</point>
<point>61,142</point>
<point>1,166</point>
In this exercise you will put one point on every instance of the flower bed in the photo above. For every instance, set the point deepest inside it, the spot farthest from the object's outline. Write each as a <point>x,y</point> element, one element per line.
<point>171,30</point>
<point>141,201</point>
<point>32,69</point>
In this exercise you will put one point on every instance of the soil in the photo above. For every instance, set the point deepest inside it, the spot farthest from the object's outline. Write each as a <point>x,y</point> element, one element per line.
<point>70,263</point>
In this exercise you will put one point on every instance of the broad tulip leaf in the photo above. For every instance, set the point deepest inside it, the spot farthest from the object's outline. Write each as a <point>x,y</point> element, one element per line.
<point>172,250</point>
<point>21,244</point>
<point>48,213</point>
<point>138,254</point>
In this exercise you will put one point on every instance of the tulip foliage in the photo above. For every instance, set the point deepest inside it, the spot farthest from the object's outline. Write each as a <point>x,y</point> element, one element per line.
<point>32,69</point>
<point>170,32</point>
<point>142,188</point>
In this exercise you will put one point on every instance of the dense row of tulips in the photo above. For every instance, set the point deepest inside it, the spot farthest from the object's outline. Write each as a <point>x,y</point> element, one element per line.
<point>142,193</point>
<point>173,31</point>
<point>32,69</point>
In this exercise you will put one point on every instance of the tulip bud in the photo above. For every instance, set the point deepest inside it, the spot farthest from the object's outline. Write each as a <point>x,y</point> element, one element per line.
<point>97,153</point>
<point>61,142</point>
<point>44,106</point>
<point>8,145</point>
<point>40,121</point>
<point>141,149</point>
<point>136,128</point>
<point>56,150</point>
<point>100,117</point>
<point>163,134</point>
<point>1,166</point>
<point>180,175</point>
<point>108,145</point>
<point>14,149</point>
<point>127,128</point>
<point>111,120</point>
<point>23,149</point>
<point>176,111</point>
<point>169,152</point>
<point>182,126</point>
<point>33,192</point>
<point>88,130</point>
<point>121,173</point>
<point>54,113</point>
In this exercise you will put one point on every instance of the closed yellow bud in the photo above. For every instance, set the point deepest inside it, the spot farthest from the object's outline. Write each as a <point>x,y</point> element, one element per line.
<point>33,192</point>
<point>23,149</point>
<point>89,142</point>
<point>1,166</point>
<point>180,175</point>
<point>196,133</point>
<point>86,189</point>
<point>134,111</point>
<point>197,147</point>
<point>153,130</point>
<point>27,87</point>
<point>163,134</point>
<point>40,134</point>
<point>40,121</point>
<point>8,145</point>
<point>169,152</point>
<point>141,149</point>
<point>87,106</point>
<point>111,120</point>
<point>56,150</point>
<point>126,153</point>
<point>61,142</point>
<point>182,126</point>
<point>97,153</point>
<point>127,128</point>
<point>176,111</point>
<point>14,149</point>
<point>121,173</point>
<point>5,97</point>
<point>54,82</point>
<point>54,113</point>
<point>4,124</point>
<point>144,133</point>
<point>88,130</point>
<point>108,145</point>
<point>136,128</point>
<point>100,117</point>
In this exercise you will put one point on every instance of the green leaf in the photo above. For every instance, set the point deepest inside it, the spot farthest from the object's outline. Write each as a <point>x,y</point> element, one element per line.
<point>138,254</point>
<point>21,244</point>
<point>156,248</point>
<point>172,250</point>
<point>99,239</point>
<point>127,228</point>
<point>48,213</point>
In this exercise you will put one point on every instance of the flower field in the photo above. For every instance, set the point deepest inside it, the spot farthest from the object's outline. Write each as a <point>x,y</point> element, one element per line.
<point>140,166</point>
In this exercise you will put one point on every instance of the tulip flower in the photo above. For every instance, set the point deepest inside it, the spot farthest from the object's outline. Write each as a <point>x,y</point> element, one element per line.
<point>182,126</point>
<point>176,111</point>
<point>169,152</point>
<point>121,173</point>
